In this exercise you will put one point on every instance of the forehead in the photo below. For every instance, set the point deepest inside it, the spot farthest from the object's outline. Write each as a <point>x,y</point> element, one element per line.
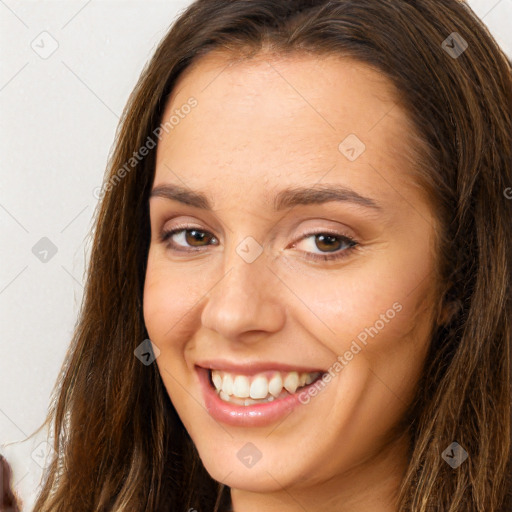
<point>281,119</point>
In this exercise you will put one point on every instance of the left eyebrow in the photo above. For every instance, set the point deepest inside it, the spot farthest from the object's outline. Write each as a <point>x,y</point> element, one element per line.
<point>318,194</point>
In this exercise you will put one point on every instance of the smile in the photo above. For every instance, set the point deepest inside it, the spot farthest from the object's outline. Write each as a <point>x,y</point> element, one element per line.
<point>253,397</point>
<point>260,388</point>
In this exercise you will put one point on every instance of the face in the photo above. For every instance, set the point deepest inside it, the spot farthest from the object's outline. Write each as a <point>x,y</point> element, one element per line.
<point>290,247</point>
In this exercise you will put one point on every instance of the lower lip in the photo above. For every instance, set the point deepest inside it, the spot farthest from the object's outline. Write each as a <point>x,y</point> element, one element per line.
<point>245,415</point>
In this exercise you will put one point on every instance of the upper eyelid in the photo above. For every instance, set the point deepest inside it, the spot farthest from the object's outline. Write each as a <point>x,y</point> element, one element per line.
<point>338,229</point>
<point>189,222</point>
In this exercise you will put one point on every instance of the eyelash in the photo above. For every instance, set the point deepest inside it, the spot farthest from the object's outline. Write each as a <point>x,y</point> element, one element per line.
<point>341,253</point>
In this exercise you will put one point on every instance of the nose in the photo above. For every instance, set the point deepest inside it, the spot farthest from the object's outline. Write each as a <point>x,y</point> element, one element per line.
<point>247,298</point>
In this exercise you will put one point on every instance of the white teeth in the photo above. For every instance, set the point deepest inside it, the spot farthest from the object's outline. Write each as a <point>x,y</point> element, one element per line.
<point>275,386</point>
<point>259,387</point>
<point>217,380</point>
<point>227,384</point>
<point>223,396</point>
<point>291,382</point>
<point>241,386</point>
<point>249,390</point>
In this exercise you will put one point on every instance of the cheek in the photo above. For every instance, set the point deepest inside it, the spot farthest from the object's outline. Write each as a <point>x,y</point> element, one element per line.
<point>380,309</point>
<point>377,324</point>
<point>169,299</point>
<point>168,306</point>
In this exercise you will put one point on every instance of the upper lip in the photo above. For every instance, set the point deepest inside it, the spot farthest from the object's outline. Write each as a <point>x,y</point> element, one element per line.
<point>254,367</point>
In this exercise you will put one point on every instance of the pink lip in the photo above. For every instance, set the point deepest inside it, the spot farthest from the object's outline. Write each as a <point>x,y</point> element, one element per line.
<point>254,368</point>
<point>245,416</point>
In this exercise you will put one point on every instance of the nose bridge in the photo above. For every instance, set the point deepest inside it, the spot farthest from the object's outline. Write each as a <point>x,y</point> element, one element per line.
<point>243,298</point>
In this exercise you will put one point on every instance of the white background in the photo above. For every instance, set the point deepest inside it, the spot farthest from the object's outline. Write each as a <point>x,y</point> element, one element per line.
<point>58,118</point>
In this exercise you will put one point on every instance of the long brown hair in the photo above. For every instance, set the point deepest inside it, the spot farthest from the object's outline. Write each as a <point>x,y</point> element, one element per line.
<point>119,444</point>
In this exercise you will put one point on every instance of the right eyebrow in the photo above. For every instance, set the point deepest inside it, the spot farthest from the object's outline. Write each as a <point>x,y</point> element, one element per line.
<point>183,195</point>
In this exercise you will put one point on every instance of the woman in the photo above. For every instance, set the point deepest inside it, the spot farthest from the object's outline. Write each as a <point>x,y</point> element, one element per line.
<point>306,213</point>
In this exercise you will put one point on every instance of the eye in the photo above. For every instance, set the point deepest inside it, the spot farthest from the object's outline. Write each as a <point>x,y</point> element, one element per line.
<point>184,236</point>
<point>332,246</point>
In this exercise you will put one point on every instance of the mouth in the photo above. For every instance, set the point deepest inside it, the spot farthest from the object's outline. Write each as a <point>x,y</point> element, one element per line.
<point>256,394</point>
<point>260,388</point>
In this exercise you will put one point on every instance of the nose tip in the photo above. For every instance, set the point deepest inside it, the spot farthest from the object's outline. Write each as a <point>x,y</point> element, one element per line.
<point>244,299</point>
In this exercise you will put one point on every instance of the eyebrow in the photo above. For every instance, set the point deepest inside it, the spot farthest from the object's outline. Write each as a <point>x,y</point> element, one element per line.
<point>183,195</point>
<point>294,196</point>
<point>286,198</point>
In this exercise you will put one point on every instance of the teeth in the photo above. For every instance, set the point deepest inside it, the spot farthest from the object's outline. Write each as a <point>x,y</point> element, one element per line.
<point>223,396</point>
<point>310,378</point>
<point>291,382</point>
<point>259,387</point>
<point>275,386</point>
<point>217,379</point>
<point>245,390</point>
<point>227,384</point>
<point>242,401</point>
<point>241,386</point>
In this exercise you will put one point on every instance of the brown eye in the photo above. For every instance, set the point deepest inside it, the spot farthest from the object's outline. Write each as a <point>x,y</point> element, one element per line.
<point>195,237</point>
<point>328,242</point>
<point>180,238</point>
<point>326,246</point>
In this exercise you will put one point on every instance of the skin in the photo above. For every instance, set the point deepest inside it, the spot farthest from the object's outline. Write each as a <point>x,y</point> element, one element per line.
<point>261,125</point>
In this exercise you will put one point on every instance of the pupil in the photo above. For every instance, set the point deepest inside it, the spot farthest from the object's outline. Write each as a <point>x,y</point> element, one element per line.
<point>330,239</point>
<point>194,236</point>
